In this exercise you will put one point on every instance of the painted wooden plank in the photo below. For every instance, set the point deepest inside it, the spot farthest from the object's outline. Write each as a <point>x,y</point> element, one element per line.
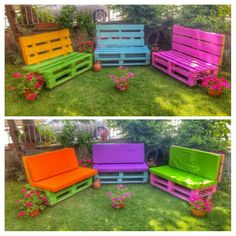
<point>120,42</point>
<point>214,38</point>
<point>120,34</point>
<point>215,60</point>
<point>120,27</point>
<point>199,45</point>
<point>44,40</point>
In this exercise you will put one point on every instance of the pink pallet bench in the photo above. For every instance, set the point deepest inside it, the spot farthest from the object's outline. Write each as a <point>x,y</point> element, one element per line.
<point>120,163</point>
<point>194,55</point>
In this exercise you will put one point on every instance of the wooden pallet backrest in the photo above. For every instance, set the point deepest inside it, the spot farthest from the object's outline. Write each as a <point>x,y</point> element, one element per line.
<point>48,164</point>
<point>206,46</point>
<point>40,47</point>
<point>120,35</point>
<point>117,153</point>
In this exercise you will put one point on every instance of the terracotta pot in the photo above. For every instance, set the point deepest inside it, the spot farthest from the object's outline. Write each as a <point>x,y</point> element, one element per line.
<point>214,93</point>
<point>34,213</point>
<point>198,212</point>
<point>122,87</point>
<point>97,184</point>
<point>97,66</point>
<point>46,26</point>
<point>122,205</point>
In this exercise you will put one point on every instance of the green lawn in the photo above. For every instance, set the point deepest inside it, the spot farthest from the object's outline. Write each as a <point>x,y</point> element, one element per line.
<point>151,93</point>
<point>90,210</point>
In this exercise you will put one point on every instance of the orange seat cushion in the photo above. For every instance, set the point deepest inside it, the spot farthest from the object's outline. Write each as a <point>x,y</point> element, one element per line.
<point>65,180</point>
<point>46,165</point>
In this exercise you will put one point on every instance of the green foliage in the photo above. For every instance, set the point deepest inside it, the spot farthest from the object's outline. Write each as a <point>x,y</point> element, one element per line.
<point>85,22</point>
<point>85,140</point>
<point>16,173</point>
<point>66,16</point>
<point>208,135</point>
<point>67,136</point>
<point>44,14</point>
<point>46,133</point>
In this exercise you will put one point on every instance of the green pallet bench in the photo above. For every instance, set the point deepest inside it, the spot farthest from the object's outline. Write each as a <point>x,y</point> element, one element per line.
<point>121,45</point>
<point>57,173</point>
<point>51,55</point>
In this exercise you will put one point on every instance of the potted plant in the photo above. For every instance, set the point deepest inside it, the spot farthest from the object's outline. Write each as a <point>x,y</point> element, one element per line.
<point>28,84</point>
<point>32,203</point>
<point>96,183</point>
<point>215,85</point>
<point>103,134</point>
<point>121,80</point>
<point>119,197</point>
<point>200,206</point>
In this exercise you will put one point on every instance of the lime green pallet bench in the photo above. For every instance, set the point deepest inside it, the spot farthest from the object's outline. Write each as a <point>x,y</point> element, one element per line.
<point>51,54</point>
<point>54,198</point>
<point>60,69</point>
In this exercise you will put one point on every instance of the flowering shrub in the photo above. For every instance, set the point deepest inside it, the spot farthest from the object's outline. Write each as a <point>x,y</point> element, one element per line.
<point>215,83</point>
<point>86,44</point>
<point>28,84</point>
<point>32,203</point>
<point>119,196</point>
<point>121,80</point>
<point>200,203</point>
<point>86,163</point>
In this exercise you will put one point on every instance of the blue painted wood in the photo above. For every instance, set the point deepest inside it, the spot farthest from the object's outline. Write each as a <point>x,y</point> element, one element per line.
<point>121,45</point>
<point>122,177</point>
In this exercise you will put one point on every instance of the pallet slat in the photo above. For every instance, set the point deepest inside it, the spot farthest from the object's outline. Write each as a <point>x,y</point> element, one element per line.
<point>122,177</point>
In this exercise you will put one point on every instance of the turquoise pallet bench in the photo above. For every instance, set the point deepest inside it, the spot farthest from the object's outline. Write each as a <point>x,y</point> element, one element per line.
<point>122,177</point>
<point>121,45</point>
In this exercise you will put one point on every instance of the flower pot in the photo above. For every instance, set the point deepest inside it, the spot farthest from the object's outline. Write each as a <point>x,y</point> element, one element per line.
<point>122,87</point>
<point>198,212</point>
<point>97,66</point>
<point>119,206</point>
<point>34,213</point>
<point>46,26</point>
<point>214,93</point>
<point>97,184</point>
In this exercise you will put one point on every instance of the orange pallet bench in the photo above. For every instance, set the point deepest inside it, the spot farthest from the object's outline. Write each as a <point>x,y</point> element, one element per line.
<point>51,55</point>
<point>57,173</point>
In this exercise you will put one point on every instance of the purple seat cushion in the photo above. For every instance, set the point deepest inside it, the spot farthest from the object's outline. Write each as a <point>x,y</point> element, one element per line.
<point>121,167</point>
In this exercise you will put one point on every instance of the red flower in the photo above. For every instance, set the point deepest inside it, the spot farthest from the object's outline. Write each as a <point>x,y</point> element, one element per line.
<point>89,161</point>
<point>27,195</point>
<point>23,190</point>
<point>10,88</point>
<point>38,85</point>
<point>89,43</point>
<point>29,77</point>
<point>16,75</point>
<point>44,199</point>
<point>21,213</point>
<point>80,43</point>
<point>31,97</point>
<point>28,204</point>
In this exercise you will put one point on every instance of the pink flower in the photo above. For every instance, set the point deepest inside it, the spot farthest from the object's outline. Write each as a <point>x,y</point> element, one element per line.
<point>31,97</point>
<point>89,43</point>
<point>28,204</point>
<point>21,214</point>
<point>46,203</point>
<point>38,85</point>
<point>10,88</point>
<point>17,201</point>
<point>27,195</point>
<point>16,75</point>
<point>89,161</point>
<point>120,186</point>
<point>29,77</point>
<point>80,161</point>
<point>23,190</point>
<point>44,199</point>
<point>121,68</point>
<point>113,76</point>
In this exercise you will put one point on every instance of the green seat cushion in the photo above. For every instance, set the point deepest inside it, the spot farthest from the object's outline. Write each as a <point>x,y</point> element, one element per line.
<point>200,163</point>
<point>182,178</point>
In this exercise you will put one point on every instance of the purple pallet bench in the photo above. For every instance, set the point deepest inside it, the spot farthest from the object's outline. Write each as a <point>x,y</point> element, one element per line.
<point>194,55</point>
<point>120,163</point>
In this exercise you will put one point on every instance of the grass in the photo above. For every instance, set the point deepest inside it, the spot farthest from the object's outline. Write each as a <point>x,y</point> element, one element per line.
<point>90,210</point>
<point>151,93</point>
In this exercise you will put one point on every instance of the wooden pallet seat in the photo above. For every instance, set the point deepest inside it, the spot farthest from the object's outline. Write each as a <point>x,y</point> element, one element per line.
<point>51,55</point>
<point>194,55</point>
<point>189,173</point>
<point>120,163</point>
<point>121,45</point>
<point>57,173</point>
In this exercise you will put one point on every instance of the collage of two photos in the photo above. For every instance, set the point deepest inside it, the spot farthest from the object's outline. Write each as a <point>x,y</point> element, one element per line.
<point>165,67</point>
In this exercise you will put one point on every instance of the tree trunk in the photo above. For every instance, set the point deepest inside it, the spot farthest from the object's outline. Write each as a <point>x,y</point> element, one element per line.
<point>14,133</point>
<point>14,26</point>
